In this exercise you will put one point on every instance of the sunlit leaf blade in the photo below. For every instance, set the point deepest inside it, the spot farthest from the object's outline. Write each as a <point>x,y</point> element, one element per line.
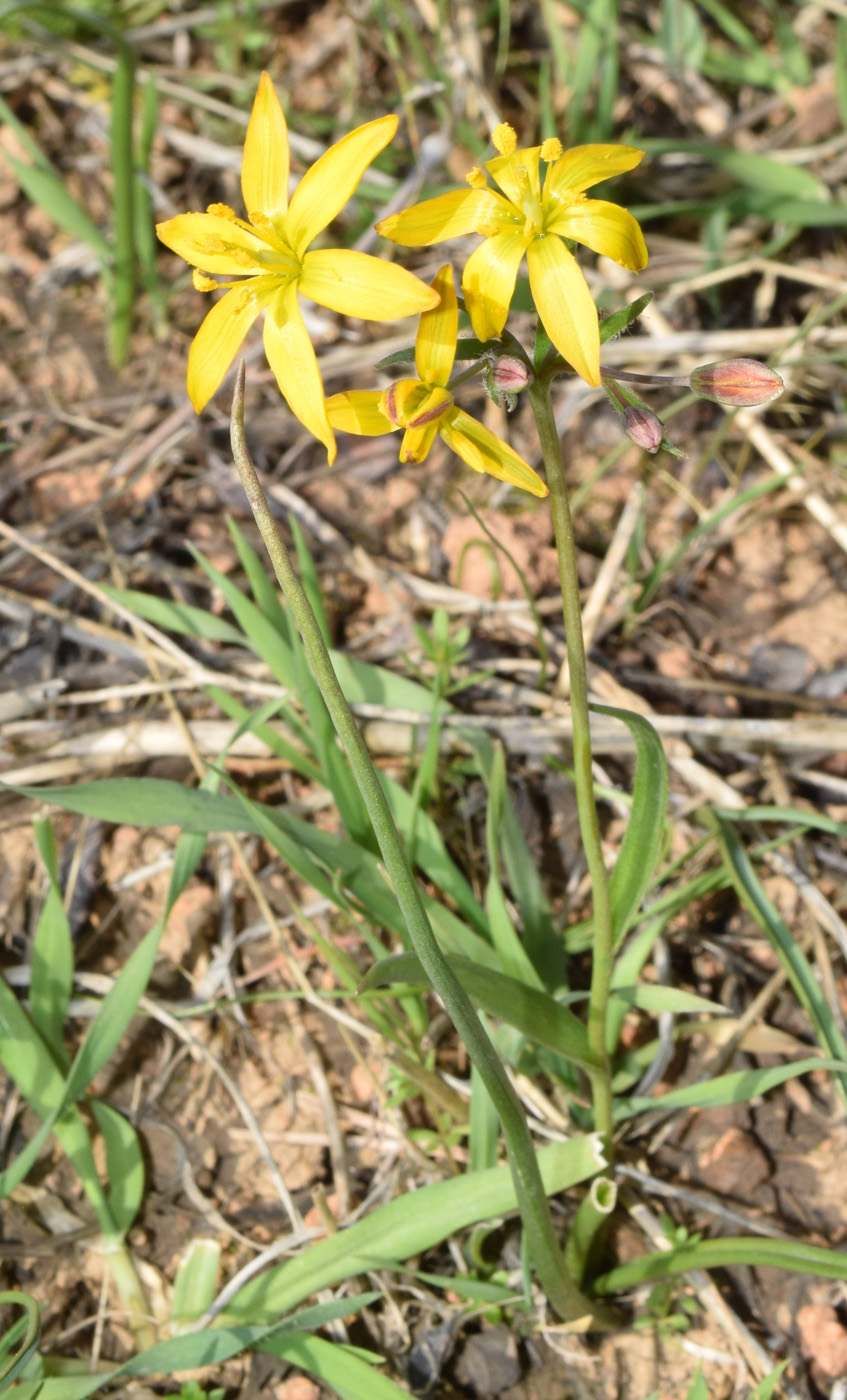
<point>18,1345</point>
<point>796,965</point>
<point>739,1087</point>
<point>756,1252</point>
<point>534,1013</point>
<point>52,954</point>
<point>642,842</point>
<point>337,1367</point>
<point>407,1226</point>
<point>124,1164</point>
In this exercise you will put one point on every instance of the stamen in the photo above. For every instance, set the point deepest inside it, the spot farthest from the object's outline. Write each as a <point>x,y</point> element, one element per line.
<point>551,149</point>
<point>222,211</point>
<point>504,139</point>
<point>202,283</point>
<point>476,179</point>
<point>488,228</point>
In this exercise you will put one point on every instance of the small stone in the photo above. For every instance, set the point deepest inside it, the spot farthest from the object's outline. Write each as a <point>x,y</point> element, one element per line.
<point>735,1165</point>
<point>823,1341</point>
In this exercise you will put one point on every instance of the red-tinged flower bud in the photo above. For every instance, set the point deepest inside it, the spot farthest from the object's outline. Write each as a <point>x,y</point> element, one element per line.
<point>509,374</point>
<point>643,427</point>
<point>737,383</point>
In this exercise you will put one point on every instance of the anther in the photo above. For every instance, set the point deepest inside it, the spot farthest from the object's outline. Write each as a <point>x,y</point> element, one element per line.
<point>504,139</point>
<point>476,179</point>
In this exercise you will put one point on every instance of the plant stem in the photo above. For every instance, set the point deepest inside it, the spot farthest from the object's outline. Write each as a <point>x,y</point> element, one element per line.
<point>547,1257</point>
<point>601,970</point>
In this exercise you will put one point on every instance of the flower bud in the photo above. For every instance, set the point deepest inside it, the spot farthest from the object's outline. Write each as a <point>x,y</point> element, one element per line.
<point>509,375</point>
<point>737,383</point>
<point>642,427</point>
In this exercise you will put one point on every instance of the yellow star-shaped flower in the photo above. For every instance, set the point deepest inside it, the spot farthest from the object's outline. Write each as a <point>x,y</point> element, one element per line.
<point>528,219</point>
<point>269,252</point>
<point>424,407</point>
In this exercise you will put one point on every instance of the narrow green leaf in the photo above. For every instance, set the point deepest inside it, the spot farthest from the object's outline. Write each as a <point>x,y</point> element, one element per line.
<point>124,1164</point>
<point>534,1013</point>
<point>483,1124</point>
<point>336,1366</point>
<point>18,1345</point>
<point>795,816</point>
<point>757,172</point>
<point>642,842</point>
<point>755,1252</point>
<point>195,1282</point>
<point>52,954</point>
<point>796,965</point>
<point>181,618</point>
<point>47,190</point>
<point>263,586</point>
<point>514,958</point>
<point>407,1226</point>
<point>738,1087</point>
<point>652,997</point>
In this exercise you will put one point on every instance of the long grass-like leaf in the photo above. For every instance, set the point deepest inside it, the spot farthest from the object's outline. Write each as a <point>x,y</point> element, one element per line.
<point>755,1252</point>
<point>52,955</point>
<point>124,1164</point>
<point>642,842</point>
<point>739,1087</point>
<point>534,1013</point>
<point>785,946</point>
<point>407,1226</point>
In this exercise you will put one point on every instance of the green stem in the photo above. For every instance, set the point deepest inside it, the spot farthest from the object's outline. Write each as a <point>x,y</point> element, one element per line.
<point>601,971</point>
<point>561,1291</point>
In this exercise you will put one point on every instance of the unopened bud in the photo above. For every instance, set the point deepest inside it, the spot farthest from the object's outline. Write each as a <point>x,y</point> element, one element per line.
<point>737,383</point>
<point>509,374</point>
<point>642,427</point>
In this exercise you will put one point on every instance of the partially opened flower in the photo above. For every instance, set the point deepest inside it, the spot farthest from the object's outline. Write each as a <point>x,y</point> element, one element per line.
<point>267,252</point>
<point>424,407</point>
<point>528,219</point>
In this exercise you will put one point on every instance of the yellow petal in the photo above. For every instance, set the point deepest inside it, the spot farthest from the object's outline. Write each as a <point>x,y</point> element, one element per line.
<point>358,285</point>
<point>605,227</point>
<point>358,412</point>
<point>584,166</point>
<point>213,243</point>
<point>417,442</point>
<point>488,281</point>
<point>264,168</point>
<point>447,216</point>
<point>401,400</point>
<point>435,344</point>
<point>329,183</point>
<point>216,343</point>
<point>516,174</point>
<point>487,453</point>
<point>292,359</point>
<point>564,304</point>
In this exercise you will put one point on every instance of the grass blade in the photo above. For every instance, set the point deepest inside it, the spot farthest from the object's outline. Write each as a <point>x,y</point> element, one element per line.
<point>796,966</point>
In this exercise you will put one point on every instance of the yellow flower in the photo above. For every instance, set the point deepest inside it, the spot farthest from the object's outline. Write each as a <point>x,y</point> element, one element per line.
<point>528,219</point>
<point>268,251</point>
<point>424,407</point>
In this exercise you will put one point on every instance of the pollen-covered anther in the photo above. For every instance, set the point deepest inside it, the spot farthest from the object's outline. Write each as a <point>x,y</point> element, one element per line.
<point>476,178</point>
<point>504,139</point>
<point>487,228</point>
<point>551,149</point>
<point>264,226</point>
<point>202,283</point>
<point>222,211</point>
